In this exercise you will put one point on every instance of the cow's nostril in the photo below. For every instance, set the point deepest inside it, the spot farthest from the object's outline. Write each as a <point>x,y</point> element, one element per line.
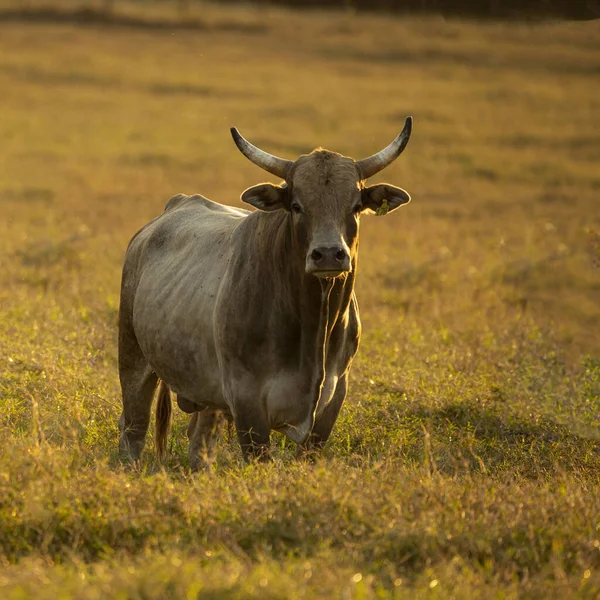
<point>316,255</point>
<point>340,255</point>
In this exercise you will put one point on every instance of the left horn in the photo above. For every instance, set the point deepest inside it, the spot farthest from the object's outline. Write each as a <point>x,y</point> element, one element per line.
<point>372,165</point>
<point>273,164</point>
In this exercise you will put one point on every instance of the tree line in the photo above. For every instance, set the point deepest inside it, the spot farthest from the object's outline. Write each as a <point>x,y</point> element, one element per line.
<point>502,9</point>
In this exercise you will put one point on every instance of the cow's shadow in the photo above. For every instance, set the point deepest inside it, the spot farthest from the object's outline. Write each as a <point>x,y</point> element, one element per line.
<point>464,437</point>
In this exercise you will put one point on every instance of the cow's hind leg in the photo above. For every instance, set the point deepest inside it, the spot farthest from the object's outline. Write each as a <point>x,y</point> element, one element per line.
<point>138,382</point>
<point>202,433</point>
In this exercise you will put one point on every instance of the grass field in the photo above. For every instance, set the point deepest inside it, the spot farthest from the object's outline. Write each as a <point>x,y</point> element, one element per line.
<point>466,462</point>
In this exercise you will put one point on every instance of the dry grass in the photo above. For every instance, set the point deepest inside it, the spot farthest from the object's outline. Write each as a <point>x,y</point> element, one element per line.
<point>466,461</point>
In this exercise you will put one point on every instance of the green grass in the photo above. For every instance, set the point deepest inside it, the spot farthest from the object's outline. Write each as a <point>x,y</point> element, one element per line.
<point>466,461</point>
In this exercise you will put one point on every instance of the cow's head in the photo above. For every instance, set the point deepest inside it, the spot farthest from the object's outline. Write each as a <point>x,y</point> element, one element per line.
<point>325,193</point>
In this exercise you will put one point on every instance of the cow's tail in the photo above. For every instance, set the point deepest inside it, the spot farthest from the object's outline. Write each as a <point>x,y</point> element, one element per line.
<point>164,412</point>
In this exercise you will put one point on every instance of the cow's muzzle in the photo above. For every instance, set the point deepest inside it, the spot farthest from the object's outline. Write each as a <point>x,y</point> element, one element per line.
<point>328,261</point>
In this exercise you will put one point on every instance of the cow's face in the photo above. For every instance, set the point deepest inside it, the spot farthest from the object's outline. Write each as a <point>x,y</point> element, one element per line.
<point>325,196</point>
<point>324,193</point>
<point>325,205</point>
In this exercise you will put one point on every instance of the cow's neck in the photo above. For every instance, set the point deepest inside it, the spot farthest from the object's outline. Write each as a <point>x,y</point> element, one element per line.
<point>298,299</point>
<point>321,303</point>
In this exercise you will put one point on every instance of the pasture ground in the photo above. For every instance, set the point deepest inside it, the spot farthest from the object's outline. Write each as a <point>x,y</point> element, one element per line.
<point>466,462</point>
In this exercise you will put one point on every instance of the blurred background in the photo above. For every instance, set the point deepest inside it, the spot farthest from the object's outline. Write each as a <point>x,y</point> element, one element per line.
<point>109,108</point>
<point>466,457</point>
<point>516,9</point>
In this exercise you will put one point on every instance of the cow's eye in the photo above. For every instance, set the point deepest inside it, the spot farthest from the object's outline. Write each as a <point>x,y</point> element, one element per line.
<point>296,207</point>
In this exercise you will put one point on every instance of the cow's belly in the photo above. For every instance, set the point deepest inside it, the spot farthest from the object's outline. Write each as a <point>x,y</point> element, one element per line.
<point>188,365</point>
<point>292,403</point>
<point>175,333</point>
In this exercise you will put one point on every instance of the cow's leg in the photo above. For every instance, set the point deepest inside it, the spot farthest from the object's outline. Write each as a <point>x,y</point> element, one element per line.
<point>326,420</point>
<point>202,433</point>
<point>192,424</point>
<point>253,431</point>
<point>138,382</point>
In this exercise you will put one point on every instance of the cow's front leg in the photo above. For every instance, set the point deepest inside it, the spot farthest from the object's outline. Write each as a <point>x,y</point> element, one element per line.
<point>253,431</point>
<point>326,420</point>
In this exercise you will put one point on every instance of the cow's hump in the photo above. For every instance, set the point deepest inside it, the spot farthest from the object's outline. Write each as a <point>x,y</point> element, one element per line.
<point>183,200</point>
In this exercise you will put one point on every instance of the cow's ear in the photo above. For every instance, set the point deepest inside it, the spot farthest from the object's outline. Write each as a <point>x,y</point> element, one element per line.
<point>383,198</point>
<point>266,196</point>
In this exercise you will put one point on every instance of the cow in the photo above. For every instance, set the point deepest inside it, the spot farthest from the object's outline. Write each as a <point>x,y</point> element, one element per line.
<point>249,315</point>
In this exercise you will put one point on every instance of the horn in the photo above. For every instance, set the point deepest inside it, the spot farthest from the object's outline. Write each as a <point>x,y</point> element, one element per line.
<point>273,164</point>
<point>372,165</point>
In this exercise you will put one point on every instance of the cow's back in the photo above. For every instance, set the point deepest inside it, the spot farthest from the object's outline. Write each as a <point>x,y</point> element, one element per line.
<point>171,278</point>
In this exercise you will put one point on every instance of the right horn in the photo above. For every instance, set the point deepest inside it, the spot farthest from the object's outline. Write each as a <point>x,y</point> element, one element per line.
<point>372,165</point>
<point>273,164</point>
